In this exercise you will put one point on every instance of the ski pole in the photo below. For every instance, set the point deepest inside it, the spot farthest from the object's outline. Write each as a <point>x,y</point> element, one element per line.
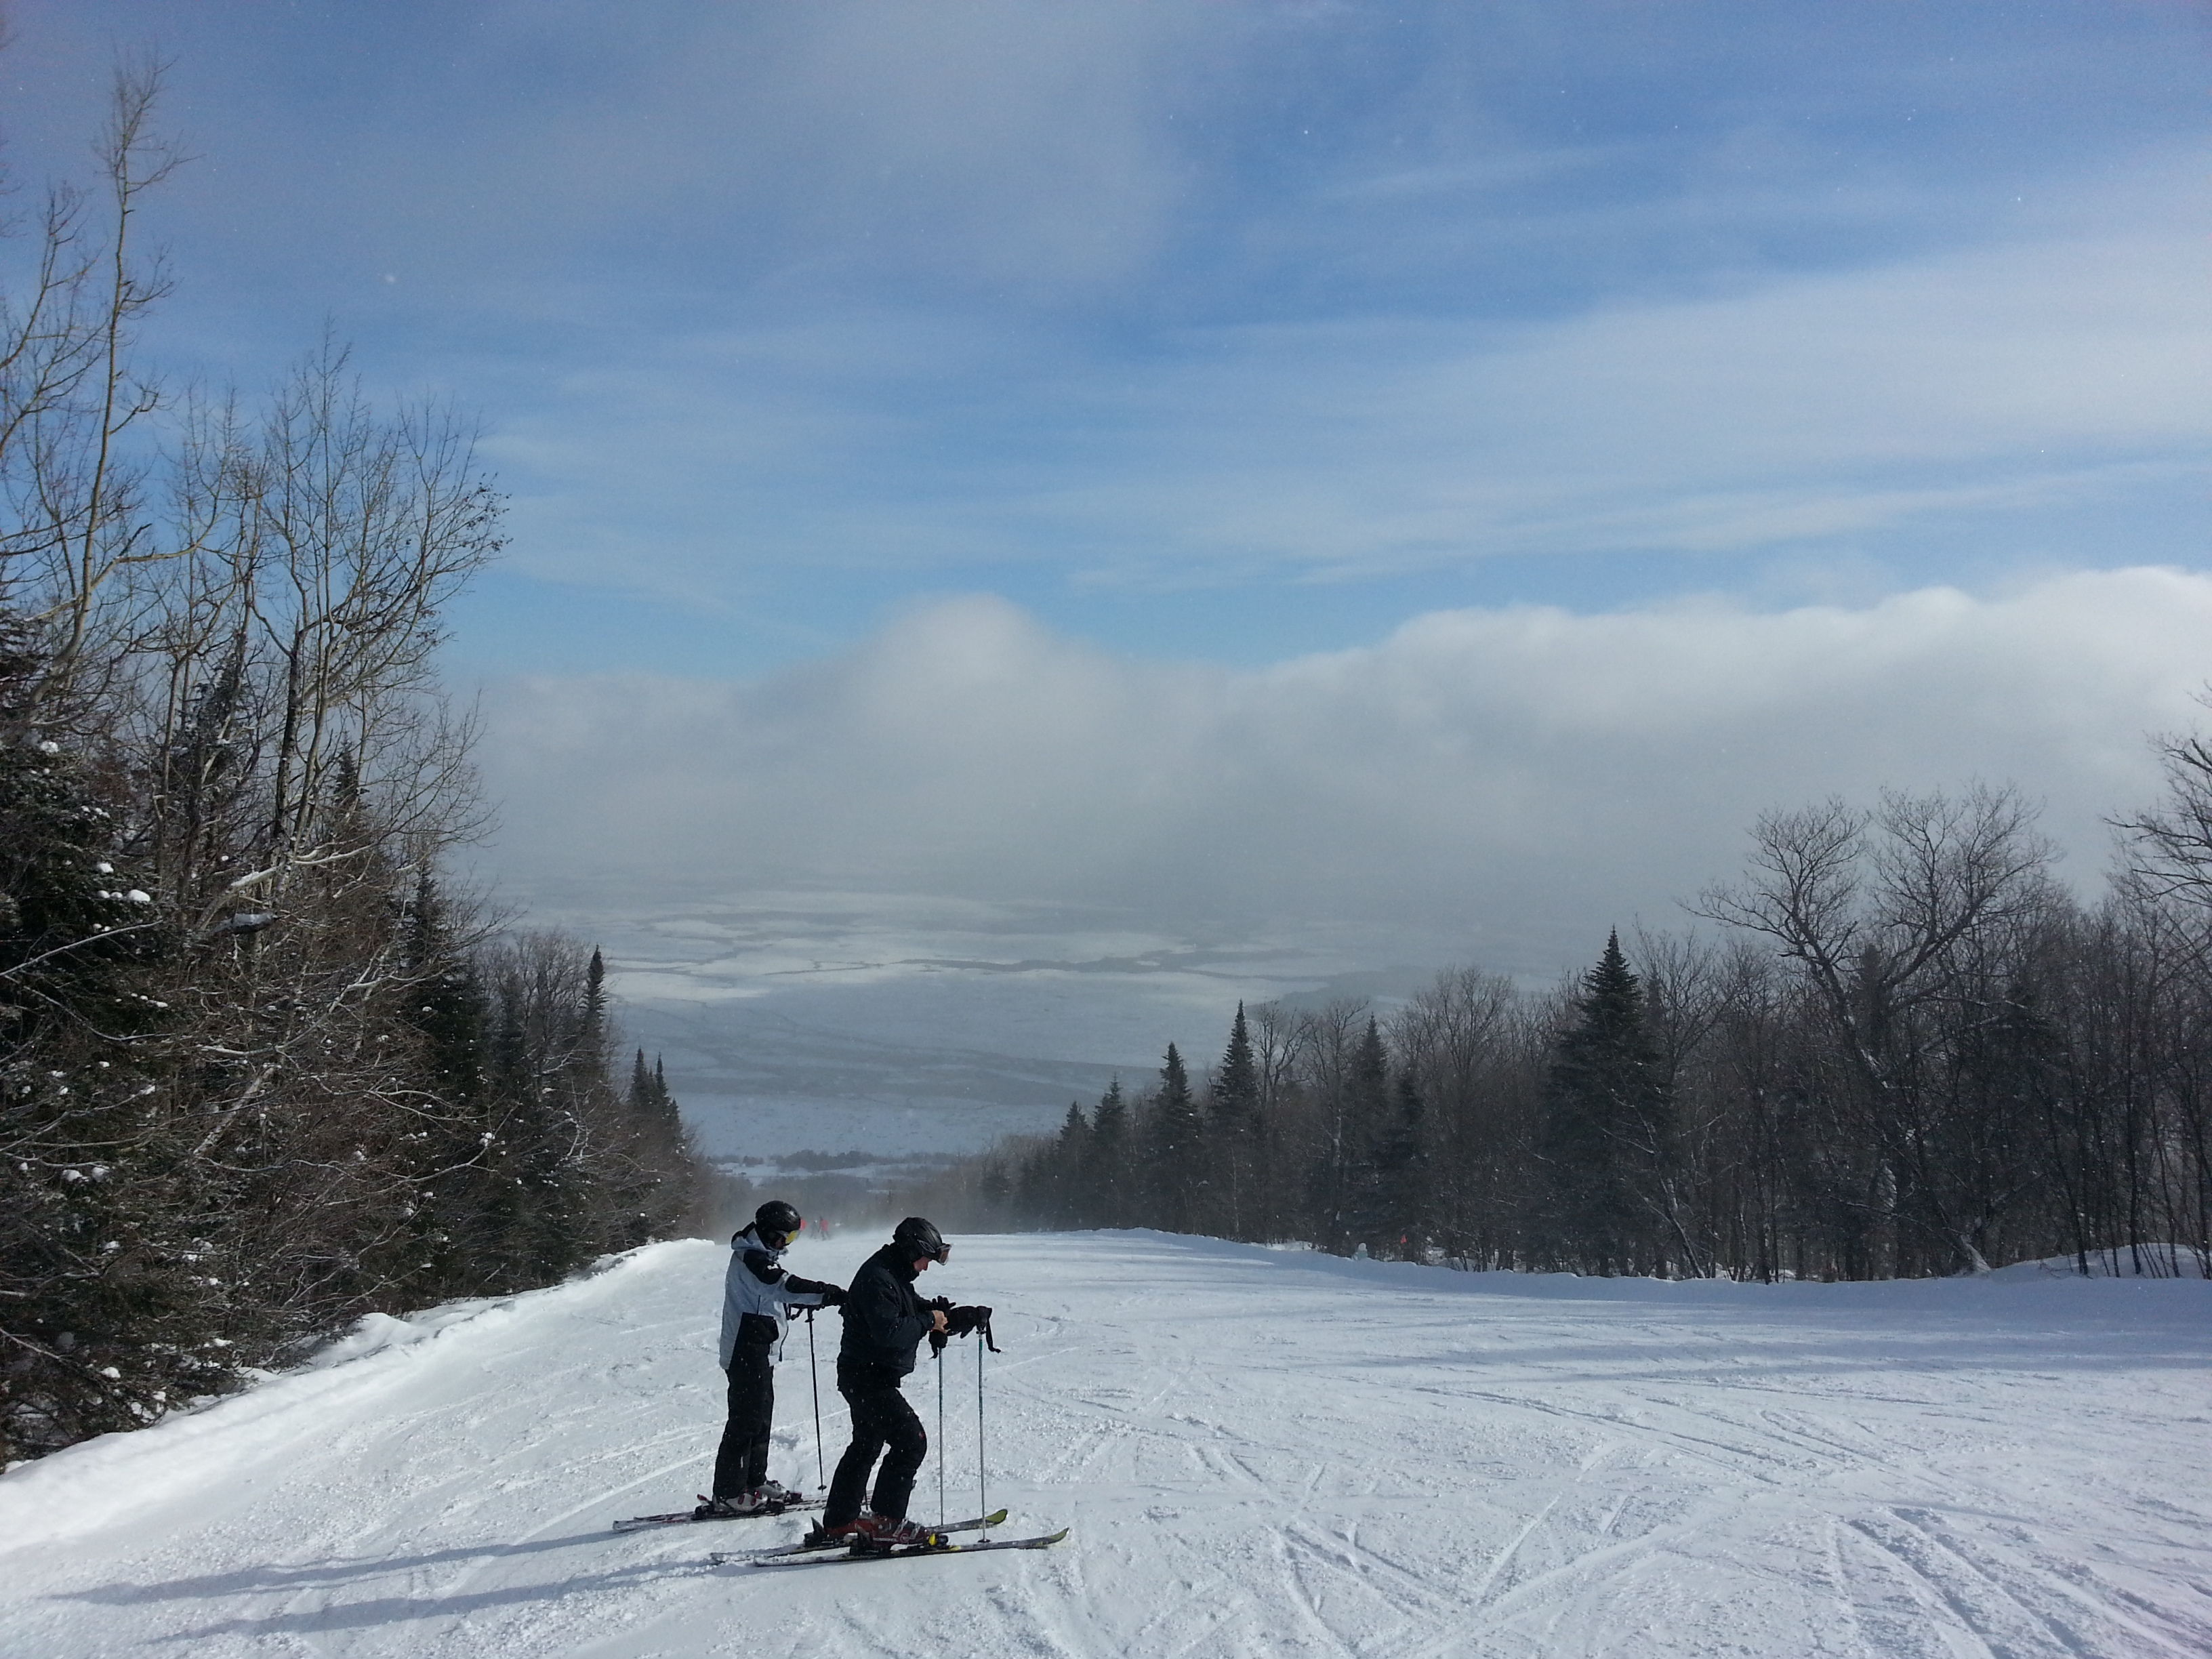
<point>814,1372</point>
<point>940,1436</point>
<point>982,1496</point>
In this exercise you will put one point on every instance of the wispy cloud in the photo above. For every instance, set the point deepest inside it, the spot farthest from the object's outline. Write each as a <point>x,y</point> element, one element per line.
<point>1946,395</point>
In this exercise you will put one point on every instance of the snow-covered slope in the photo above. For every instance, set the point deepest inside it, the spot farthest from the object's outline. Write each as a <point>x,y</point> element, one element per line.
<point>1261,1453</point>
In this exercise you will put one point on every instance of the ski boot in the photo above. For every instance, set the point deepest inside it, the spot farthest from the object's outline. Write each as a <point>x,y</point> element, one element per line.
<point>733,1506</point>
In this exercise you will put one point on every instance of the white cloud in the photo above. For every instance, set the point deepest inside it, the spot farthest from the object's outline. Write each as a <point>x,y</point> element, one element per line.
<point>1493,784</point>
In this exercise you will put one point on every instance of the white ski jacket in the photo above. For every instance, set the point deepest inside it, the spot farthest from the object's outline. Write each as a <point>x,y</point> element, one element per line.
<point>758,1295</point>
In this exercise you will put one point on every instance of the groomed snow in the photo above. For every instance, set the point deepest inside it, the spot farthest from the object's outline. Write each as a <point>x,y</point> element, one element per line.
<point>1262,1453</point>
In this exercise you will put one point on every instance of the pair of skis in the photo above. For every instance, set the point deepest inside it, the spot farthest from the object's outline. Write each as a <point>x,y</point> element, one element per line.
<point>939,1542</point>
<point>686,1517</point>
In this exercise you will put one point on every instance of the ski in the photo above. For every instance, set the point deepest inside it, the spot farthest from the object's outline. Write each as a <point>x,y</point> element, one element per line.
<point>829,1545</point>
<point>685,1517</point>
<point>824,1558</point>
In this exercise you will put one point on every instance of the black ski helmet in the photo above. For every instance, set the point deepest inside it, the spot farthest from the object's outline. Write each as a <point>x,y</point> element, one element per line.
<point>919,1238</point>
<point>777,1223</point>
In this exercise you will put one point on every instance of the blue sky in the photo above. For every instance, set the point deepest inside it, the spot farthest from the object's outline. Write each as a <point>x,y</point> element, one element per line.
<point>1210,332</point>
<point>1425,476</point>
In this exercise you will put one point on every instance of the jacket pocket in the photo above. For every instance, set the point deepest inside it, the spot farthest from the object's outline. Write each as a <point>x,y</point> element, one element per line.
<point>757,1331</point>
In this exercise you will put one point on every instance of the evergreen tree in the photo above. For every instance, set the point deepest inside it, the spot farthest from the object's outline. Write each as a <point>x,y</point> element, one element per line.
<point>447,1009</point>
<point>1402,1174</point>
<point>1233,1128</point>
<point>666,1178</point>
<point>1234,1101</point>
<point>649,1100</point>
<point>1179,1184</point>
<point>537,1226</point>
<point>1071,1152</point>
<point>1106,1163</point>
<point>72,930</point>
<point>447,1006</point>
<point>592,1041</point>
<point>1365,1214</point>
<point>104,1309</point>
<point>1607,1129</point>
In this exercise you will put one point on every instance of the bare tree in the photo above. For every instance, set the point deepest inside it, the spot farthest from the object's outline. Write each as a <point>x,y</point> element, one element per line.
<point>1456,1039</point>
<point>72,401</point>
<point>1893,917</point>
<point>2167,850</point>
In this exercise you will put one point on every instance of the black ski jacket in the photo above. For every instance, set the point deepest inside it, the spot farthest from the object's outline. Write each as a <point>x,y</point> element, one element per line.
<point>884,1319</point>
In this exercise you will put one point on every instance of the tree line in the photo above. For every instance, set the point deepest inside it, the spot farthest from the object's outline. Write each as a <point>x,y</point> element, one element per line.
<point>261,1067</point>
<point>1900,1047</point>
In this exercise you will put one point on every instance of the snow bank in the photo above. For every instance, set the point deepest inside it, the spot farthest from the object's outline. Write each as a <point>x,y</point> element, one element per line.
<point>2132,1262</point>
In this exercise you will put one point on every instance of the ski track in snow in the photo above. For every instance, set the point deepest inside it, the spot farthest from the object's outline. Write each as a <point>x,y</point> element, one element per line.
<point>1261,1453</point>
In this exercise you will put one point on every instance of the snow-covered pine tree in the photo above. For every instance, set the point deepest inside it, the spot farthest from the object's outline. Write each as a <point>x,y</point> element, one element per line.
<point>103,1313</point>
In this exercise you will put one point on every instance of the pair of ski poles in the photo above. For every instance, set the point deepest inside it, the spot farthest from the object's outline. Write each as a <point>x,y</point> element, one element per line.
<point>982,1479</point>
<point>982,1494</point>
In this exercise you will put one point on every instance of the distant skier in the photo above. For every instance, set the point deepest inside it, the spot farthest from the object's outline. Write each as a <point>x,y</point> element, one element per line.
<point>757,1297</point>
<point>886,1320</point>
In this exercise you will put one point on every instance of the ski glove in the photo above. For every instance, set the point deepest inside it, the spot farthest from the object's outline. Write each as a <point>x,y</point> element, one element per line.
<point>966,1321</point>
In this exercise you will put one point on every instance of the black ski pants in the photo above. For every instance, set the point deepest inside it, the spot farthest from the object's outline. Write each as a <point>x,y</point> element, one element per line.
<point>741,1462</point>
<point>881,1418</point>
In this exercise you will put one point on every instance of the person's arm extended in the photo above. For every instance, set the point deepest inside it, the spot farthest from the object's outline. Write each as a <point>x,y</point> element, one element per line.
<point>811,1292</point>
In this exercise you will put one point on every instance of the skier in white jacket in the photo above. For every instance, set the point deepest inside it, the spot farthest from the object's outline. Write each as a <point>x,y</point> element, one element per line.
<point>757,1297</point>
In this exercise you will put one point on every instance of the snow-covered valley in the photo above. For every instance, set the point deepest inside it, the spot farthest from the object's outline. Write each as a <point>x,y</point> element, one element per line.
<point>1260,1452</point>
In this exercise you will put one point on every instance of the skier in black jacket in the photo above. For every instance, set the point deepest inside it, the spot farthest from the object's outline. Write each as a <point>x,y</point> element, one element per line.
<point>886,1320</point>
<point>757,1297</point>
